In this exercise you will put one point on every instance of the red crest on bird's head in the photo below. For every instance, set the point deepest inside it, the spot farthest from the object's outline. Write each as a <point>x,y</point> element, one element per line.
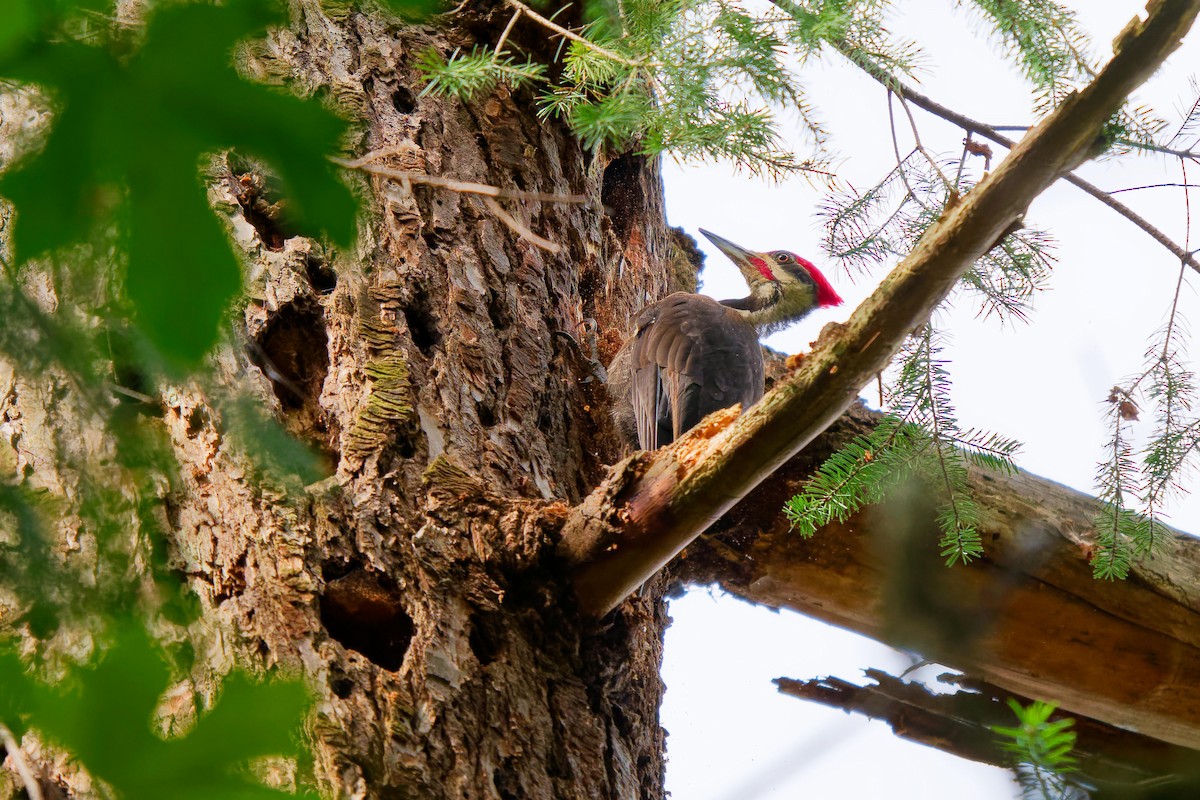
<point>790,262</point>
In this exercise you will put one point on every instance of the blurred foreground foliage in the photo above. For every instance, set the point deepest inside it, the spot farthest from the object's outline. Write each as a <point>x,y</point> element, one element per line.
<point>106,714</point>
<point>116,275</point>
<point>108,204</point>
<point>133,113</point>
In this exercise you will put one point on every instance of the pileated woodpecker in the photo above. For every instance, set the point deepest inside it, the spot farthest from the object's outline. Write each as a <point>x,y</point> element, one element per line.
<point>691,355</point>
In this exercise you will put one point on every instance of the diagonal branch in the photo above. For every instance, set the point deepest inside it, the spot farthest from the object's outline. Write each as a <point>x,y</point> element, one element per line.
<point>653,505</point>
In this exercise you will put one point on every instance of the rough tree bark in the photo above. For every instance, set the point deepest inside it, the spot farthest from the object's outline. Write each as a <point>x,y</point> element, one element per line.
<point>417,588</point>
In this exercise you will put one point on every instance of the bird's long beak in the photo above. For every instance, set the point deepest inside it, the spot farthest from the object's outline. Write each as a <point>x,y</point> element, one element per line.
<point>736,253</point>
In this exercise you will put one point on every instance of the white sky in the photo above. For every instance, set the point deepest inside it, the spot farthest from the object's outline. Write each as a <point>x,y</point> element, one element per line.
<point>732,736</point>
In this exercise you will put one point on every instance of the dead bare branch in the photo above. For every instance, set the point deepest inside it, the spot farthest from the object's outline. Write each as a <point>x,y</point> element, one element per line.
<point>1111,759</point>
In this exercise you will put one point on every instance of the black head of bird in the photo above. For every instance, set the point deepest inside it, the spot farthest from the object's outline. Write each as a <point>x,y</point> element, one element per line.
<point>691,355</point>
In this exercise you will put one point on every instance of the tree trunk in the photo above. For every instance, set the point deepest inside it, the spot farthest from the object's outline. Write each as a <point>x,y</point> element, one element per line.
<point>417,589</point>
<point>419,585</point>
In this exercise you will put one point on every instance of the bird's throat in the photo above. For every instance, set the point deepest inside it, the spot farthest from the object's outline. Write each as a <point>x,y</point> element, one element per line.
<point>768,309</point>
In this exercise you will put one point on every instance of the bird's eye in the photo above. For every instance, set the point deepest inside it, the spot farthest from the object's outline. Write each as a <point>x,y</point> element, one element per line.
<point>782,258</point>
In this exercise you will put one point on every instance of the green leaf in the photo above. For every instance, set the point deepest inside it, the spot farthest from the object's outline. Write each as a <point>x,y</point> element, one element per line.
<point>26,21</point>
<point>20,24</point>
<point>415,9</point>
<point>17,690</point>
<point>104,716</point>
<point>279,454</point>
<point>126,146</point>
<point>26,564</point>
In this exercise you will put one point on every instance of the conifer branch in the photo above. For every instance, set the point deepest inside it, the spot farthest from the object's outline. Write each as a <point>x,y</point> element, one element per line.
<point>901,161</point>
<point>1115,526</point>
<point>960,541</point>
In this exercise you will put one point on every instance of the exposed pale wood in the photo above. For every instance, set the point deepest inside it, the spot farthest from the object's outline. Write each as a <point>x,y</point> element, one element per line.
<point>617,539</point>
<point>1029,617</point>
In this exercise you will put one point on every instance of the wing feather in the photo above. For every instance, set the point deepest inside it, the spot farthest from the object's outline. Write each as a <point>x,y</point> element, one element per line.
<point>690,356</point>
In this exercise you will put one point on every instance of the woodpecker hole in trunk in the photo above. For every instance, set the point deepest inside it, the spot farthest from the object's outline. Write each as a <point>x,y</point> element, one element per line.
<point>364,611</point>
<point>622,192</point>
<point>342,686</point>
<point>403,100</point>
<point>293,352</point>
<point>262,202</point>
<point>321,276</point>
<point>486,638</point>
<point>487,415</point>
<point>422,324</point>
<point>197,419</point>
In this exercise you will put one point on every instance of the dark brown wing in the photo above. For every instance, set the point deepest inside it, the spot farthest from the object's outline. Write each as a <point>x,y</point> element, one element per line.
<point>691,356</point>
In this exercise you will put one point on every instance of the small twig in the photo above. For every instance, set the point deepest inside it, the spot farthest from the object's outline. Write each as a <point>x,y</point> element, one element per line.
<point>912,123</point>
<point>575,37</point>
<point>1187,205</point>
<point>1186,120</point>
<point>32,787</point>
<point>141,397</point>
<point>1134,217</point>
<point>463,187</point>
<point>962,160</point>
<point>1194,155</point>
<point>519,228</point>
<point>1156,186</point>
<point>1168,331</point>
<point>490,194</point>
<point>900,161</point>
<point>504,36</point>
